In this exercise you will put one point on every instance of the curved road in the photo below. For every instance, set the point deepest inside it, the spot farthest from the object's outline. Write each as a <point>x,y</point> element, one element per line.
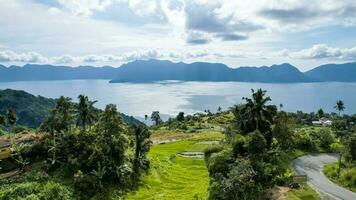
<point>312,166</point>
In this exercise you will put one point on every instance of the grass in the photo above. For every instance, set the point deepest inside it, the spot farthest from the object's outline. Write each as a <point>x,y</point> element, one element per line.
<point>303,193</point>
<point>175,177</point>
<point>347,176</point>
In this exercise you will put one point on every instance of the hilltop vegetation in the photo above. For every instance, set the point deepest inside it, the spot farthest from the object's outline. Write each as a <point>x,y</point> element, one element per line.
<point>81,156</point>
<point>32,110</point>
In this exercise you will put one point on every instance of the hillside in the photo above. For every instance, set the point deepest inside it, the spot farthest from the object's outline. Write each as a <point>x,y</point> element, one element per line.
<point>334,72</point>
<point>31,110</point>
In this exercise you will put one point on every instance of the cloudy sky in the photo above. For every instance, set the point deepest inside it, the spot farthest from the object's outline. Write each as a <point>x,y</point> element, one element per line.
<point>238,33</point>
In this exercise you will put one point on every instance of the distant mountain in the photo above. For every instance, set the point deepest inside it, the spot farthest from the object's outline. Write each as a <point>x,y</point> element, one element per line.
<point>32,110</point>
<point>32,72</point>
<point>159,70</point>
<point>284,73</point>
<point>156,70</point>
<point>334,72</point>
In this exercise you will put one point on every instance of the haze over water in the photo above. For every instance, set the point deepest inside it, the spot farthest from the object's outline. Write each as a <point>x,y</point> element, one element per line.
<point>171,97</point>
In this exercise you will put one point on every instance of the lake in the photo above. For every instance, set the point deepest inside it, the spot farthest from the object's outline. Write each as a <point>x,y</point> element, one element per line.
<point>171,97</point>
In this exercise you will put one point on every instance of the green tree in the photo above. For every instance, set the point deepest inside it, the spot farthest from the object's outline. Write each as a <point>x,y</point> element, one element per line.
<point>112,137</point>
<point>142,146</point>
<point>283,130</point>
<point>64,110</point>
<point>255,114</point>
<point>156,117</point>
<point>350,147</point>
<point>85,111</point>
<point>60,119</point>
<point>256,144</point>
<point>180,116</point>
<point>339,106</point>
<point>321,113</point>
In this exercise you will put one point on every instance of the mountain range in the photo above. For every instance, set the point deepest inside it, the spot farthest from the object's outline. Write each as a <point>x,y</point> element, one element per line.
<point>160,70</point>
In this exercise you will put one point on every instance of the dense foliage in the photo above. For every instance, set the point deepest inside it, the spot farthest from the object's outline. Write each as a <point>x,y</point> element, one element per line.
<point>257,141</point>
<point>31,110</point>
<point>95,150</point>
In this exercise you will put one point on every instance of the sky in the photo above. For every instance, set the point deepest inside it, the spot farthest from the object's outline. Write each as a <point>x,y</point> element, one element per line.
<point>238,33</point>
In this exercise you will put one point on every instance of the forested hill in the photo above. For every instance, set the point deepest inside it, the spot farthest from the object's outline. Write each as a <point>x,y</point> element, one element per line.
<point>160,70</point>
<point>31,110</point>
<point>155,70</point>
<point>334,72</point>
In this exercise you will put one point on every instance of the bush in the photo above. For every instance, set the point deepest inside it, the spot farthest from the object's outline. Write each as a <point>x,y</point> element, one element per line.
<point>350,148</point>
<point>324,138</point>
<point>255,143</point>
<point>239,183</point>
<point>304,141</point>
<point>85,186</point>
<point>219,163</point>
<point>33,190</point>
<point>212,149</point>
<point>238,145</point>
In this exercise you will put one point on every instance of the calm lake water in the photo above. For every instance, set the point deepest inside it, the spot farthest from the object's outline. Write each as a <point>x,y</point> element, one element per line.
<point>170,97</point>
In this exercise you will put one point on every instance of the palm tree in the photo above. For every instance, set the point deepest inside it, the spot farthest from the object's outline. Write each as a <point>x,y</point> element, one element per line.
<point>85,111</point>
<point>142,146</point>
<point>255,114</point>
<point>256,109</point>
<point>339,106</point>
<point>64,112</point>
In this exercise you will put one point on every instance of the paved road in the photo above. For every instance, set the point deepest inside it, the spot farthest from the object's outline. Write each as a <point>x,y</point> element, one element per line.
<point>312,166</point>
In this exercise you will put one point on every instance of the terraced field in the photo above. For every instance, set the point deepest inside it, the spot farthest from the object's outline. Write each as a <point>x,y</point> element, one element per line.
<point>176,177</point>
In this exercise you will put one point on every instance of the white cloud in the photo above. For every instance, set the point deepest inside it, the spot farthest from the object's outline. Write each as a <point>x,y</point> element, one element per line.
<point>33,57</point>
<point>30,57</point>
<point>84,7</point>
<point>237,32</point>
<point>322,51</point>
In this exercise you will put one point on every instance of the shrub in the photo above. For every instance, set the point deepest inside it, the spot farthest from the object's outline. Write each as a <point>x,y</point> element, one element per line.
<point>52,190</point>
<point>324,138</point>
<point>219,163</point>
<point>350,147</point>
<point>212,149</point>
<point>85,186</point>
<point>33,190</point>
<point>255,143</point>
<point>239,183</point>
<point>305,142</point>
<point>238,145</point>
